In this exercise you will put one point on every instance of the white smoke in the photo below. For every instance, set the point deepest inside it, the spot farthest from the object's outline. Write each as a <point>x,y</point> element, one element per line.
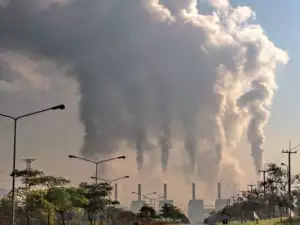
<point>157,72</point>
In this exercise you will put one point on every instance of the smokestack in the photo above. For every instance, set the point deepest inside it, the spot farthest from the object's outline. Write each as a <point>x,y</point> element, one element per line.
<point>194,191</point>
<point>219,191</point>
<point>139,192</point>
<point>116,192</point>
<point>165,192</point>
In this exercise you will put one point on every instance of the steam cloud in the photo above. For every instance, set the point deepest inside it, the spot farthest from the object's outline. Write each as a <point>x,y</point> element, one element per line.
<point>153,71</point>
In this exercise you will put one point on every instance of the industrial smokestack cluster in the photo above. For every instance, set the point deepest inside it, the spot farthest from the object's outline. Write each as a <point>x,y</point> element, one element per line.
<point>116,192</point>
<point>219,191</point>
<point>165,192</point>
<point>193,191</point>
<point>139,192</point>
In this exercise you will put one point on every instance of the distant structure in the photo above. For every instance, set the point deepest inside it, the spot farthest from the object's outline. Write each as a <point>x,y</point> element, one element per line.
<point>28,163</point>
<point>116,195</point>
<point>195,208</point>
<point>165,199</point>
<point>116,192</point>
<point>137,204</point>
<point>220,202</point>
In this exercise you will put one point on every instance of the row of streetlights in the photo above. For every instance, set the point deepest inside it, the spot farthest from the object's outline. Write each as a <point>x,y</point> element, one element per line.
<point>96,163</point>
<point>15,123</point>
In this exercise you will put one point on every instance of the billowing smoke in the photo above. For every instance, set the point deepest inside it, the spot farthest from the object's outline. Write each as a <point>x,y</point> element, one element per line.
<point>153,71</point>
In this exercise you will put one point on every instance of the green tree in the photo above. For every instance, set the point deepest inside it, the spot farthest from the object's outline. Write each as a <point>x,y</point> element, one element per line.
<point>147,212</point>
<point>64,199</point>
<point>5,210</point>
<point>36,203</point>
<point>96,195</point>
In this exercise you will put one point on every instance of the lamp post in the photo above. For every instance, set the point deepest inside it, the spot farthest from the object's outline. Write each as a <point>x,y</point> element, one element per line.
<point>15,119</point>
<point>96,163</point>
<point>109,182</point>
<point>153,200</point>
<point>144,195</point>
<point>287,168</point>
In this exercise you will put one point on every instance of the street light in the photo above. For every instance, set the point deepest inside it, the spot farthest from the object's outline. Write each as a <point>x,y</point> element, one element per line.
<point>109,182</point>
<point>144,195</point>
<point>15,119</point>
<point>153,200</point>
<point>96,162</point>
<point>283,164</point>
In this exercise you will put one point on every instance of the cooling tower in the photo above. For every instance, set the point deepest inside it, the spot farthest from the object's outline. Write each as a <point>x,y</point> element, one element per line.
<point>219,191</point>
<point>165,192</point>
<point>139,192</point>
<point>116,192</point>
<point>193,191</point>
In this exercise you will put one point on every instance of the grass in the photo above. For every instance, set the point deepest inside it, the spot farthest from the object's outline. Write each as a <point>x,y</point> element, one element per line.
<point>276,221</point>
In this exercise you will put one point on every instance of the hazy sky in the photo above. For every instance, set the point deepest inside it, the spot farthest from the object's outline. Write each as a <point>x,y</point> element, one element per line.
<point>51,136</point>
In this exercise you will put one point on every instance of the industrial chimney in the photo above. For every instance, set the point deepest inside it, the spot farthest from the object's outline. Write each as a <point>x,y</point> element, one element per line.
<point>194,191</point>
<point>219,191</point>
<point>165,192</point>
<point>139,192</point>
<point>116,192</point>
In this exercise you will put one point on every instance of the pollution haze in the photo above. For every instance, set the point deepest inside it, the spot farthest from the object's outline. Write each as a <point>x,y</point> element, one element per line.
<point>156,76</point>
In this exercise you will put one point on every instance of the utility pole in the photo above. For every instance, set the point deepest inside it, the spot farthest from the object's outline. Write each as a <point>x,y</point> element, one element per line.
<point>264,185</point>
<point>290,152</point>
<point>28,169</point>
<point>264,180</point>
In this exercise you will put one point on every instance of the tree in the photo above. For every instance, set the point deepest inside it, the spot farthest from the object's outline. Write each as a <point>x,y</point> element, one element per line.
<point>35,201</point>
<point>169,211</point>
<point>5,210</point>
<point>147,212</point>
<point>96,196</point>
<point>64,199</point>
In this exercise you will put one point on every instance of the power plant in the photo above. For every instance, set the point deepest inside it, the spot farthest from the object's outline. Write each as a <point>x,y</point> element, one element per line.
<point>197,211</point>
<point>165,198</point>
<point>195,208</point>
<point>220,202</point>
<point>137,204</point>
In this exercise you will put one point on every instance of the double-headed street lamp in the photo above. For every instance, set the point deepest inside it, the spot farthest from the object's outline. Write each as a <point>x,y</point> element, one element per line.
<point>144,195</point>
<point>15,119</point>
<point>109,182</point>
<point>96,163</point>
<point>153,200</point>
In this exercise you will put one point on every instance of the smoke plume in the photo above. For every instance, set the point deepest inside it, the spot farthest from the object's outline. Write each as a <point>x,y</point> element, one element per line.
<point>153,71</point>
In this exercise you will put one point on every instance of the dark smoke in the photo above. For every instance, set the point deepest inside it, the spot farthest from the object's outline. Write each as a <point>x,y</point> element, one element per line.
<point>153,70</point>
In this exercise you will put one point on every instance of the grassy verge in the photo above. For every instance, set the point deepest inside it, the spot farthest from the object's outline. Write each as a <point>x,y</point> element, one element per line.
<point>276,221</point>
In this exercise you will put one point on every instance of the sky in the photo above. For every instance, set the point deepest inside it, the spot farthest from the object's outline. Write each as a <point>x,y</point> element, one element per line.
<point>51,136</point>
<point>281,26</point>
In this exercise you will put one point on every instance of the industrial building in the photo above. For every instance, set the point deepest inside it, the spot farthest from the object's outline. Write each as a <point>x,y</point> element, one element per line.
<point>165,199</point>
<point>195,208</point>
<point>220,202</point>
<point>138,204</point>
